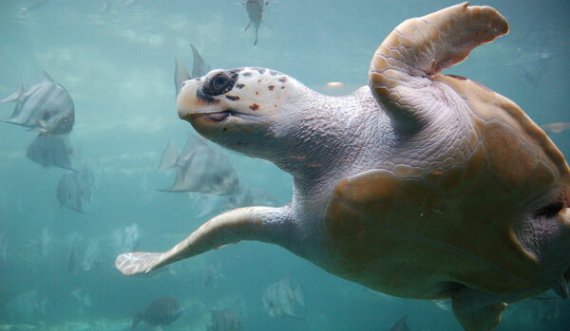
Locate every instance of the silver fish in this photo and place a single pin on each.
(45, 106)
(74, 191)
(199, 168)
(162, 311)
(51, 150)
(556, 127)
(224, 320)
(280, 299)
(255, 9)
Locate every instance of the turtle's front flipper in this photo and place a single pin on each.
(419, 48)
(476, 311)
(251, 223)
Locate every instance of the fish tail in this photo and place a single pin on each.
(15, 96)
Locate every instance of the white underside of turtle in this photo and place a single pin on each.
(420, 185)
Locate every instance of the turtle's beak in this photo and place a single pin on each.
(187, 101)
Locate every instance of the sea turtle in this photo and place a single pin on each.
(420, 185)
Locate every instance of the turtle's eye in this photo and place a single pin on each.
(220, 83)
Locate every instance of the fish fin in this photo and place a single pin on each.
(560, 287)
(41, 126)
(199, 66)
(169, 158)
(248, 25)
(48, 77)
(180, 74)
(16, 95)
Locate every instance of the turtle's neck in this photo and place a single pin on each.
(328, 136)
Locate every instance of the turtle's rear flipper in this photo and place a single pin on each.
(474, 313)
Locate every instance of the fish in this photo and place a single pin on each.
(400, 325)
(51, 150)
(161, 311)
(93, 255)
(556, 127)
(127, 238)
(32, 6)
(45, 106)
(199, 66)
(280, 299)
(224, 320)
(255, 9)
(199, 69)
(211, 274)
(74, 190)
(199, 168)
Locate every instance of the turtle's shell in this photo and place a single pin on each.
(416, 232)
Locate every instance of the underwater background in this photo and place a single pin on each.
(116, 60)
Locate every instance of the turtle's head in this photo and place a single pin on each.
(239, 109)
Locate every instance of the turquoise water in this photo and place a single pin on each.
(116, 59)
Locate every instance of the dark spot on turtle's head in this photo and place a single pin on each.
(240, 86)
(260, 70)
(259, 80)
(256, 92)
(247, 74)
(283, 87)
(232, 97)
(254, 106)
(273, 73)
(237, 70)
(283, 79)
(271, 87)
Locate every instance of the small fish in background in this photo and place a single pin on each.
(28, 306)
(93, 255)
(530, 66)
(51, 150)
(74, 190)
(31, 5)
(224, 320)
(211, 275)
(82, 299)
(556, 127)
(401, 325)
(3, 248)
(255, 10)
(199, 168)
(127, 238)
(160, 312)
(75, 253)
(199, 69)
(44, 244)
(280, 299)
(45, 107)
